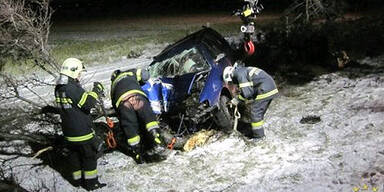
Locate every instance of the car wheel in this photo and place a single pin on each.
(224, 115)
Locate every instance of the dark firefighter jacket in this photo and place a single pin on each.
(254, 83)
(75, 104)
(125, 85)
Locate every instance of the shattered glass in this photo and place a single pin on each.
(188, 61)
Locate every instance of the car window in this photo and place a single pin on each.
(214, 45)
(188, 61)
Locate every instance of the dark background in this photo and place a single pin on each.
(66, 9)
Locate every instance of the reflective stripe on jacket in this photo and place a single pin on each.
(75, 104)
(125, 85)
(254, 83)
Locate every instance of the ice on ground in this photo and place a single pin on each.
(340, 152)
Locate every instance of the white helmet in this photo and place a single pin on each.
(227, 74)
(72, 67)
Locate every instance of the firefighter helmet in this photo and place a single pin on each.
(227, 74)
(72, 67)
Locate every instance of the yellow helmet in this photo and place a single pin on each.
(72, 67)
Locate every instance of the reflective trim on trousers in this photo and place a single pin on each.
(80, 138)
(90, 174)
(76, 175)
(256, 125)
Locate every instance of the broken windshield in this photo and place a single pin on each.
(188, 61)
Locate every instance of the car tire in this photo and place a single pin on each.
(223, 116)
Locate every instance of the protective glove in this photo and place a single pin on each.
(156, 136)
(137, 153)
(235, 101)
(98, 88)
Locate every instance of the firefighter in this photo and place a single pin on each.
(257, 89)
(75, 104)
(133, 107)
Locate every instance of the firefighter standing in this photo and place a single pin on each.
(75, 104)
(257, 88)
(132, 107)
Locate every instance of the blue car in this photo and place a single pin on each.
(186, 88)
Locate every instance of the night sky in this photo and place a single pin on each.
(85, 8)
(103, 8)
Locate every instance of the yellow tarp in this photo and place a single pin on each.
(198, 139)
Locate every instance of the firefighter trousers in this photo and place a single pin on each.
(258, 110)
(83, 160)
(131, 112)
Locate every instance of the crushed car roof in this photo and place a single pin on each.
(185, 43)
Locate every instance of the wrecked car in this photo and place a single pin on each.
(186, 89)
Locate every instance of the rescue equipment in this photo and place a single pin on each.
(172, 143)
(237, 116)
(110, 138)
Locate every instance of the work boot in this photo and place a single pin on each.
(92, 184)
(258, 133)
(137, 153)
(76, 183)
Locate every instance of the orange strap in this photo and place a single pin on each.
(170, 145)
(110, 140)
(109, 122)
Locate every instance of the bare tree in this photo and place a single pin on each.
(24, 31)
(305, 11)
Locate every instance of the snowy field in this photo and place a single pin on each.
(343, 151)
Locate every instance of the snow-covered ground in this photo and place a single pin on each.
(101, 73)
(342, 152)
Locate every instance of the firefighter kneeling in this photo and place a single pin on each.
(132, 107)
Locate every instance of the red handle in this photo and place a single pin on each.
(170, 145)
